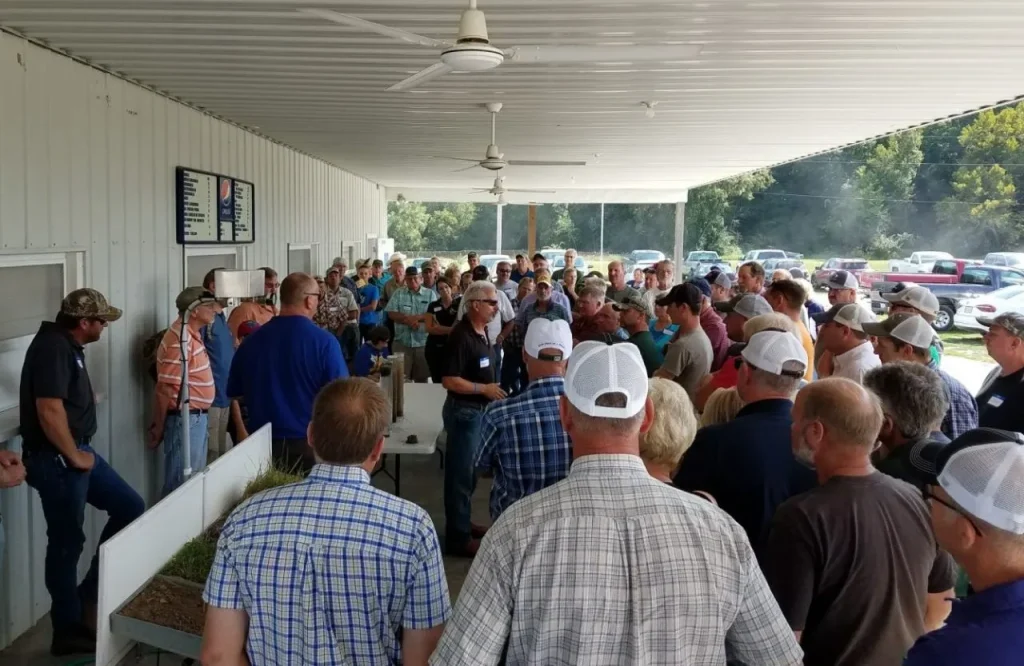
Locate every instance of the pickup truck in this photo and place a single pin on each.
(944, 271)
(971, 282)
(821, 273)
(918, 262)
(700, 262)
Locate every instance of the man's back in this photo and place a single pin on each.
(280, 369)
(613, 567)
(328, 571)
(852, 563)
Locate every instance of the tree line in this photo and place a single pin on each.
(957, 186)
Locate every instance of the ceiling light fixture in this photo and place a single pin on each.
(649, 108)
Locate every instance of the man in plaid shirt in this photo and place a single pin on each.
(611, 566)
(329, 570)
(521, 438)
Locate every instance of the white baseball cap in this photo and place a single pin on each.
(916, 297)
(597, 369)
(546, 334)
(850, 315)
(843, 280)
(910, 329)
(777, 352)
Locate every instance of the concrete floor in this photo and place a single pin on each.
(422, 482)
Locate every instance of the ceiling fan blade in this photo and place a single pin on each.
(533, 191)
(395, 33)
(429, 74)
(585, 54)
(471, 166)
(449, 157)
(543, 163)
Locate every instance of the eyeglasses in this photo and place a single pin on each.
(927, 494)
(489, 301)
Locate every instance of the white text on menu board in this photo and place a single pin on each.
(243, 212)
(200, 207)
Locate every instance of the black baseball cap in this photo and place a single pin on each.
(412, 271)
(682, 294)
(480, 273)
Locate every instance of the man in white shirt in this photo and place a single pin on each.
(611, 566)
(841, 334)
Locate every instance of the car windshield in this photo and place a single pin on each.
(856, 265)
(770, 254)
(1013, 277)
(703, 256)
(788, 263)
(646, 255)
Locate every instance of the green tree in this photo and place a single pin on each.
(710, 223)
(407, 220)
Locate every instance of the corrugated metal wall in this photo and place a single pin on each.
(87, 162)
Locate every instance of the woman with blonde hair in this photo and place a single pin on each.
(453, 275)
(671, 432)
(722, 407)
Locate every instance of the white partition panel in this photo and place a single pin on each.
(138, 552)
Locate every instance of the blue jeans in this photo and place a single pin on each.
(462, 423)
(64, 492)
(174, 459)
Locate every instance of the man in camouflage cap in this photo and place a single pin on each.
(1002, 395)
(58, 422)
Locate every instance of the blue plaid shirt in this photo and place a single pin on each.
(328, 570)
(962, 414)
(523, 441)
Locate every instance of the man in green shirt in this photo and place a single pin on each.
(408, 308)
(635, 316)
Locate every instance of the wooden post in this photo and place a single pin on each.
(531, 229)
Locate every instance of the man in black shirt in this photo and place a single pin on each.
(1001, 398)
(58, 421)
(471, 380)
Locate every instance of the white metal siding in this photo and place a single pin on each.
(87, 162)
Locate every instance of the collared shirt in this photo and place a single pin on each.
(260, 313)
(529, 311)
(407, 302)
(854, 363)
(332, 313)
(962, 414)
(983, 629)
(611, 566)
(220, 347)
(503, 314)
(201, 389)
(714, 327)
(523, 441)
(328, 570)
(557, 297)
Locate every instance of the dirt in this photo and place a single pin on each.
(170, 602)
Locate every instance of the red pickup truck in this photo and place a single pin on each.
(945, 271)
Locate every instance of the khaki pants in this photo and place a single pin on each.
(416, 369)
(217, 431)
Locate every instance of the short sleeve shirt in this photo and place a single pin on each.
(648, 351)
(407, 302)
(443, 316)
(504, 314)
(333, 310)
(369, 293)
(688, 359)
(471, 357)
(999, 406)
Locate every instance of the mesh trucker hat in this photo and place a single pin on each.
(633, 301)
(907, 328)
(747, 305)
(915, 297)
(553, 336)
(597, 369)
(843, 280)
(982, 471)
(850, 315)
(777, 352)
(190, 295)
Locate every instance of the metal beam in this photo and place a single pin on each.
(677, 250)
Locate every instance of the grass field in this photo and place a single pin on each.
(965, 344)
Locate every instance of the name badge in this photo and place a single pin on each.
(995, 401)
(334, 309)
(485, 362)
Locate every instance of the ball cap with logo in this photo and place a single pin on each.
(546, 339)
(850, 315)
(777, 352)
(981, 471)
(907, 328)
(916, 297)
(633, 301)
(842, 280)
(89, 304)
(747, 305)
(598, 369)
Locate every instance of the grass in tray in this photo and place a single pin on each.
(194, 560)
(272, 478)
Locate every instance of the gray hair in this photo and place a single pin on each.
(781, 384)
(913, 395)
(616, 427)
(478, 290)
(592, 292)
(674, 425)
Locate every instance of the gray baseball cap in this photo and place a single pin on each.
(746, 305)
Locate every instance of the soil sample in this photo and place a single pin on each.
(170, 602)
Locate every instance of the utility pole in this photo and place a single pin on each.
(602, 232)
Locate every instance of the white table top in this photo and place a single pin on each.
(423, 404)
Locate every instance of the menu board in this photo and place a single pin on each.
(213, 209)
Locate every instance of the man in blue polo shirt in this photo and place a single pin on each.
(220, 348)
(281, 367)
(978, 514)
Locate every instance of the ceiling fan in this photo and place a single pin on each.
(499, 190)
(494, 159)
(472, 50)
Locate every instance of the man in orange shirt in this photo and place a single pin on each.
(787, 297)
(258, 311)
(166, 424)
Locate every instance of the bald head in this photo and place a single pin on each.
(849, 414)
(296, 289)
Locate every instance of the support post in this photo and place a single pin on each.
(531, 229)
(677, 250)
(497, 230)
(602, 232)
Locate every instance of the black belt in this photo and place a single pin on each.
(177, 412)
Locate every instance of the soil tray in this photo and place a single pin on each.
(167, 613)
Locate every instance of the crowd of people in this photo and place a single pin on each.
(707, 472)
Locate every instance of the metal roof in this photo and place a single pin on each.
(773, 81)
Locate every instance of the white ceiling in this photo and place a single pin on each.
(773, 81)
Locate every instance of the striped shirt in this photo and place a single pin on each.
(329, 570)
(611, 566)
(201, 389)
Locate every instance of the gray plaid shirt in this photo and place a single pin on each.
(611, 566)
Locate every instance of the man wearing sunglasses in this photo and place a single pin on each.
(977, 510)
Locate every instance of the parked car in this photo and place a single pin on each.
(918, 262)
(558, 263)
(700, 262)
(1004, 259)
(643, 259)
(491, 261)
(760, 256)
(787, 264)
(952, 291)
(821, 273)
(1007, 299)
